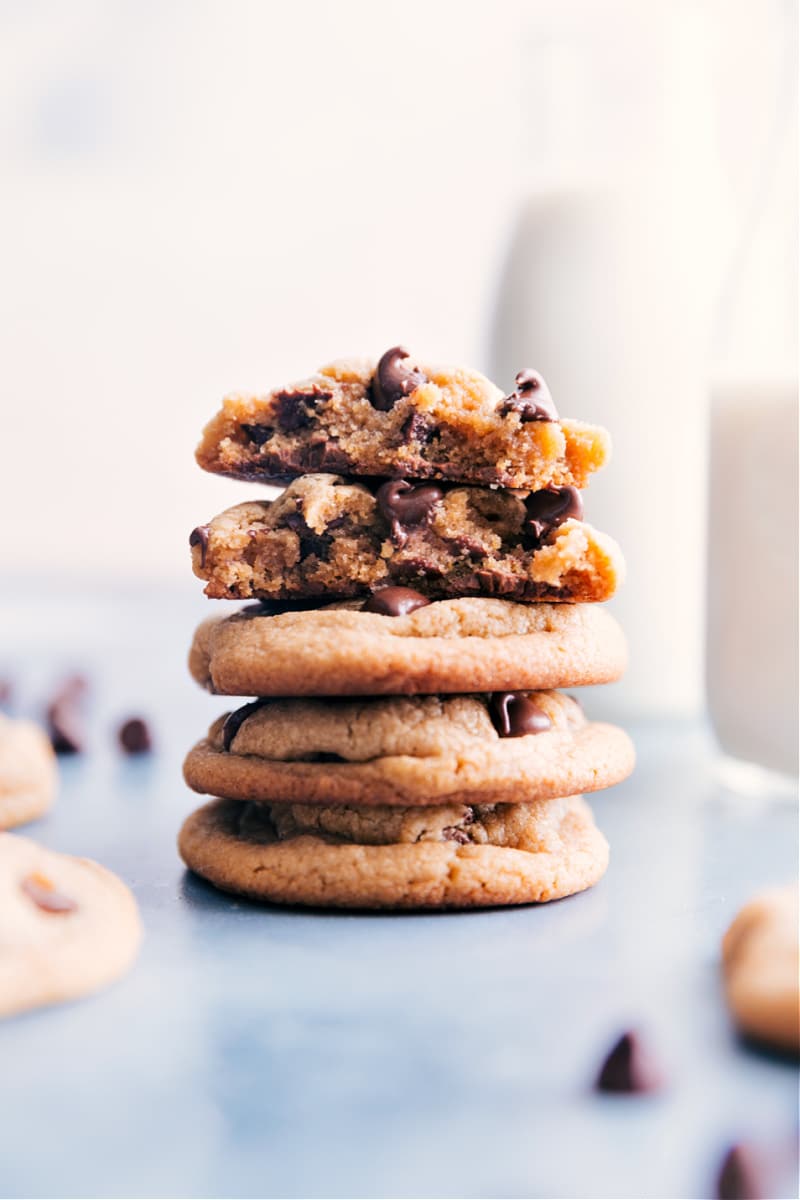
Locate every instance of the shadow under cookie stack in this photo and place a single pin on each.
(423, 585)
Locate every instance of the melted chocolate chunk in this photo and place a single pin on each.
(417, 428)
(318, 544)
(547, 509)
(295, 410)
(629, 1068)
(739, 1176)
(395, 601)
(134, 736)
(41, 891)
(199, 537)
(404, 504)
(515, 715)
(531, 399)
(393, 379)
(259, 434)
(235, 720)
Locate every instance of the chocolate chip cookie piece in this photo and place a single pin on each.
(67, 926)
(327, 537)
(469, 645)
(28, 772)
(761, 969)
(409, 751)
(398, 418)
(534, 853)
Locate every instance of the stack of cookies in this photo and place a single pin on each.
(423, 584)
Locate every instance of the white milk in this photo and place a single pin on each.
(752, 629)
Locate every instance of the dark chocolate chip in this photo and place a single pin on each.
(393, 379)
(531, 399)
(134, 736)
(64, 717)
(395, 601)
(514, 714)
(318, 544)
(739, 1176)
(417, 428)
(41, 891)
(235, 720)
(199, 537)
(629, 1068)
(258, 434)
(547, 509)
(404, 504)
(452, 833)
(294, 410)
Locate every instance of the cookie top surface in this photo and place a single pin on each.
(28, 772)
(761, 966)
(330, 537)
(399, 418)
(542, 853)
(67, 925)
(418, 750)
(467, 645)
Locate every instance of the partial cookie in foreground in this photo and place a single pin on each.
(330, 537)
(28, 772)
(67, 926)
(534, 853)
(409, 751)
(398, 418)
(762, 968)
(357, 649)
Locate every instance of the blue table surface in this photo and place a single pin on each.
(258, 1051)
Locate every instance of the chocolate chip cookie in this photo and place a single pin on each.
(762, 970)
(504, 854)
(328, 537)
(399, 643)
(409, 751)
(28, 772)
(67, 926)
(398, 418)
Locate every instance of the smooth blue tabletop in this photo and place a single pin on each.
(255, 1051)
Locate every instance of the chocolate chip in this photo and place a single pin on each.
(395, 601)
(514, 715)
(235, 720)
(739, 1176)
(64, 717)
(41, 891)
(629, 1068)
(404, 504)
(199, 537)
(259, 434)
(318, 544)
(134, 736)
(294, 410)
(547, 509)
(452, 833)
(393, 379)
(417, 428)
(531, 399)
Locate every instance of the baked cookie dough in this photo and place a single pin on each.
(409, 751)
(514, 854)
(326, 536)
(67, 926)
(761, 966)
(397, 418)
(468, 645)
(28, 772)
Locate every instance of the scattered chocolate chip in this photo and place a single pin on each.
(41, 891)
(258, 434)
(531, 399)
(549, 508)
(199, 537)
(405, 504)
(395, 601)
(739, 1176)
(514, 715)
(235, 720)
(629, 1068)
(294, 410)
(134, 736)
(393, 379)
